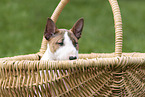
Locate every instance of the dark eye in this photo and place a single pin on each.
(60, 43)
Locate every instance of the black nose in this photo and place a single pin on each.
(72, 57)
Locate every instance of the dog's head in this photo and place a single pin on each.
(63, 43)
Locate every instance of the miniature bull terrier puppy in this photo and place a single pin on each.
(62, 43)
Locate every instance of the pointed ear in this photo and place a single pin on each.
(78, 27)
(50, 29)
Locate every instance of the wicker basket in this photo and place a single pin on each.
(109, 74)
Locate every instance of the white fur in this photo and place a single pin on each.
(63, 52)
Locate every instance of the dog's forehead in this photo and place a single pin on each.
(62, 31)
(70, 33)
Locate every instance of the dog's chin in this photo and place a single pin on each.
(64, 58)
(61, 55)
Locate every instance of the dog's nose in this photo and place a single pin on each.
(72, 57)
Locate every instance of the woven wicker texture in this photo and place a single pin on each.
(95, 74)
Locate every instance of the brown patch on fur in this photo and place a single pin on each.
(58, 38)
(74, 39)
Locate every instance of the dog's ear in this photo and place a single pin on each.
(78, 27)
(50, 29)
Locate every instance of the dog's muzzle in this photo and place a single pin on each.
(72, 57)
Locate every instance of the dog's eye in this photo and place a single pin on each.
(60, 43)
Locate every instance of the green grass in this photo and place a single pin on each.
(22, 23)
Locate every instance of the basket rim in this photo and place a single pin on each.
(127, 59)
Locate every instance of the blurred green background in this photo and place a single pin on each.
(22, 23)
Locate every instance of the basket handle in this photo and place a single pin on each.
(117, 22)
(118, 27)
(54, 17)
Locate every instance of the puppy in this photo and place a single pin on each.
(62, 43)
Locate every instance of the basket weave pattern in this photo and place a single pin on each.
(95, 74)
